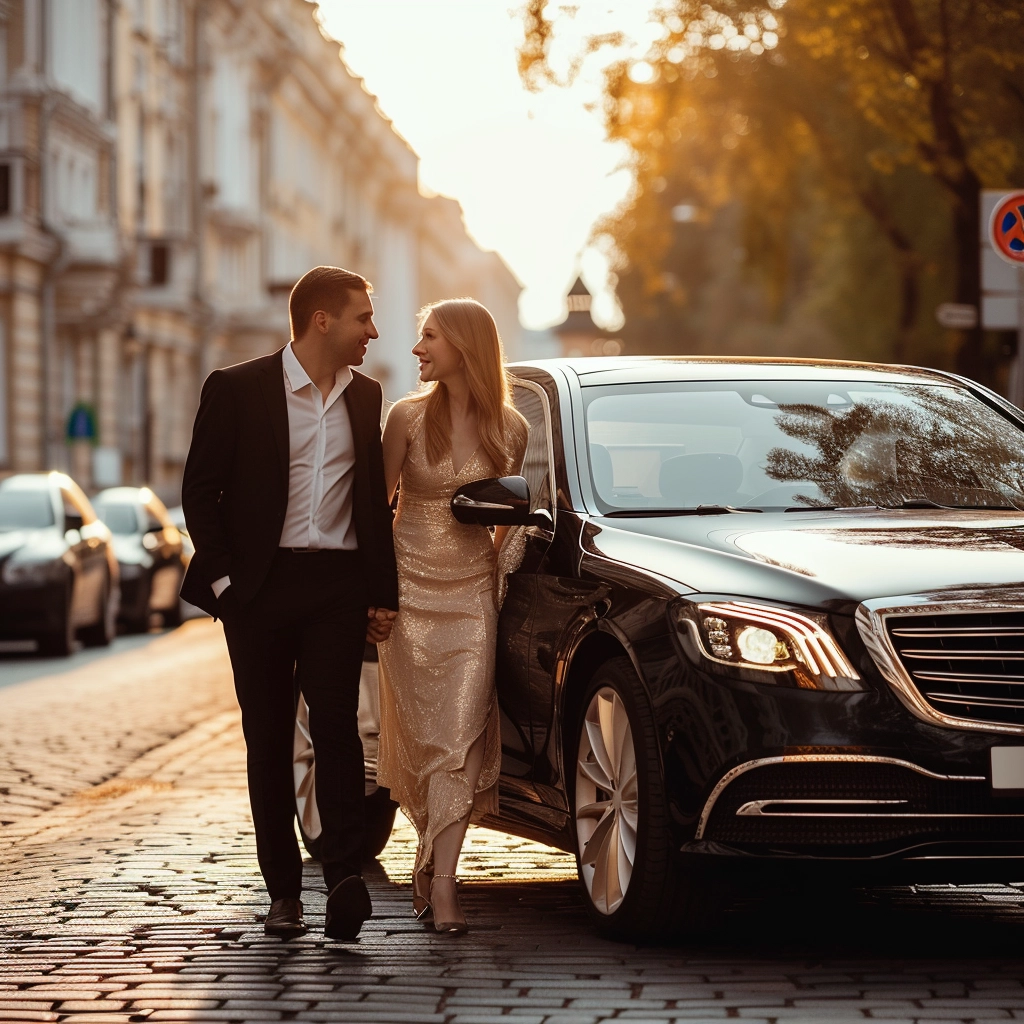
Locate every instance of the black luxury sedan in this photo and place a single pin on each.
(150, 551)
(58, 573)
(759, 613)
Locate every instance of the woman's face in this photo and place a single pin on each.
(439, 358)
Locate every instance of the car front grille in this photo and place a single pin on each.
(967, 665)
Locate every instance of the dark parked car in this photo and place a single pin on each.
(760, 613)
(58, 573)
(150, 551)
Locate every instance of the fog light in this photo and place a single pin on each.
(761, 646)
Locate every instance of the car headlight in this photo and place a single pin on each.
(34, 572)
(771, 644)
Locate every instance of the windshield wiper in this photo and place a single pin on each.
(928, 503)
(700, 510)
(909, 503)
(832, 508)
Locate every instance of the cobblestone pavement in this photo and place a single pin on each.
(129, 892)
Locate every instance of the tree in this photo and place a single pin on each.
(898, 109)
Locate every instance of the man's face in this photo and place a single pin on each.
(349, 335)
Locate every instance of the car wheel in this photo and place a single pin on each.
(101, 633)
(172, 616)
(634, 884)
(380, 808)
(139, 621)
(304, 777)
(60, 642)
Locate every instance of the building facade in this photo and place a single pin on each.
(168, 169)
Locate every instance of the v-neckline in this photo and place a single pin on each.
(451, 461)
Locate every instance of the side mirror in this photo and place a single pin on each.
(502, 501)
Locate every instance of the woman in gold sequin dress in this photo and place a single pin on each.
(440, 750)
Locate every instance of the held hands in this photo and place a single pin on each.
(379, 624)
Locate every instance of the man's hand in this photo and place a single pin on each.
(379, 624)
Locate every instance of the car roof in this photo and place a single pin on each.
(34, 481)
(597, 370)
(129, 495)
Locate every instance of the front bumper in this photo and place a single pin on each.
(857, 808)
(777, 774)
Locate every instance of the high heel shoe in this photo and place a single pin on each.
(458, 925)
(421, 879)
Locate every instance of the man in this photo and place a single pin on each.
(285, 501)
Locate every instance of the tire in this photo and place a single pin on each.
(139, 623)
(60, 642)
(380, 808)
(101, 633)
(304, 778)
(634, 883)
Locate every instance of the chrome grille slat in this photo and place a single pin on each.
(976, 657)
(988, 702)
(965, 655)
(945, 634)
(968, 677)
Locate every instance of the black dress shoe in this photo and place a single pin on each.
(348, 906)
(285, 919)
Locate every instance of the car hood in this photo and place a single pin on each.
(831, 559)
(40, 543)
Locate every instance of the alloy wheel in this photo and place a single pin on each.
(304, 774)
(606, 800)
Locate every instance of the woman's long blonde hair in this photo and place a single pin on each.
(469, 326)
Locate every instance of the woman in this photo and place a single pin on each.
(440, 750)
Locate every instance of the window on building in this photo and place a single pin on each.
(159, 263)
(5, 190)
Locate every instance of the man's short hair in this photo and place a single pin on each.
(322, 288)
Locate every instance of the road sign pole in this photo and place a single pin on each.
(1017, 390)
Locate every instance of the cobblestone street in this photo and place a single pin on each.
(130, 892)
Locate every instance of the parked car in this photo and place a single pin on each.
(759, 613)
(58, 573)
(188, 549)
(150, 551)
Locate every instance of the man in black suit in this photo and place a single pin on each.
(285, 500)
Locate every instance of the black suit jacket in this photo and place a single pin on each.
(235, 487)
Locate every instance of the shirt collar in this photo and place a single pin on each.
(295, 377)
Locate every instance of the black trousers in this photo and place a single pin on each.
(305, 626)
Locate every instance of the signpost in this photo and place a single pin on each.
(1002, 275)
(958, 316)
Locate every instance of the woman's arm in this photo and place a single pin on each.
(396, 445)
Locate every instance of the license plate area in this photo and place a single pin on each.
(1007, 771)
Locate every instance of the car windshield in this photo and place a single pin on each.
(25, 510)
(799, 444)
(119, 517)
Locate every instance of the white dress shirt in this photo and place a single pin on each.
(321, 461)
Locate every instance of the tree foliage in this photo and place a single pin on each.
(807, 172)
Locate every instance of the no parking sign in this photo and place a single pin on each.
(1006, 228)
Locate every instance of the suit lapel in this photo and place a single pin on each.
(272, 386)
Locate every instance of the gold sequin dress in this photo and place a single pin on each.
(437, 691)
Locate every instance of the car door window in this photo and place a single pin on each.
(531, 401)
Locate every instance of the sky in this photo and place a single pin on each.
(532, 170)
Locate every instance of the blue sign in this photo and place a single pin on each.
(81, 423)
